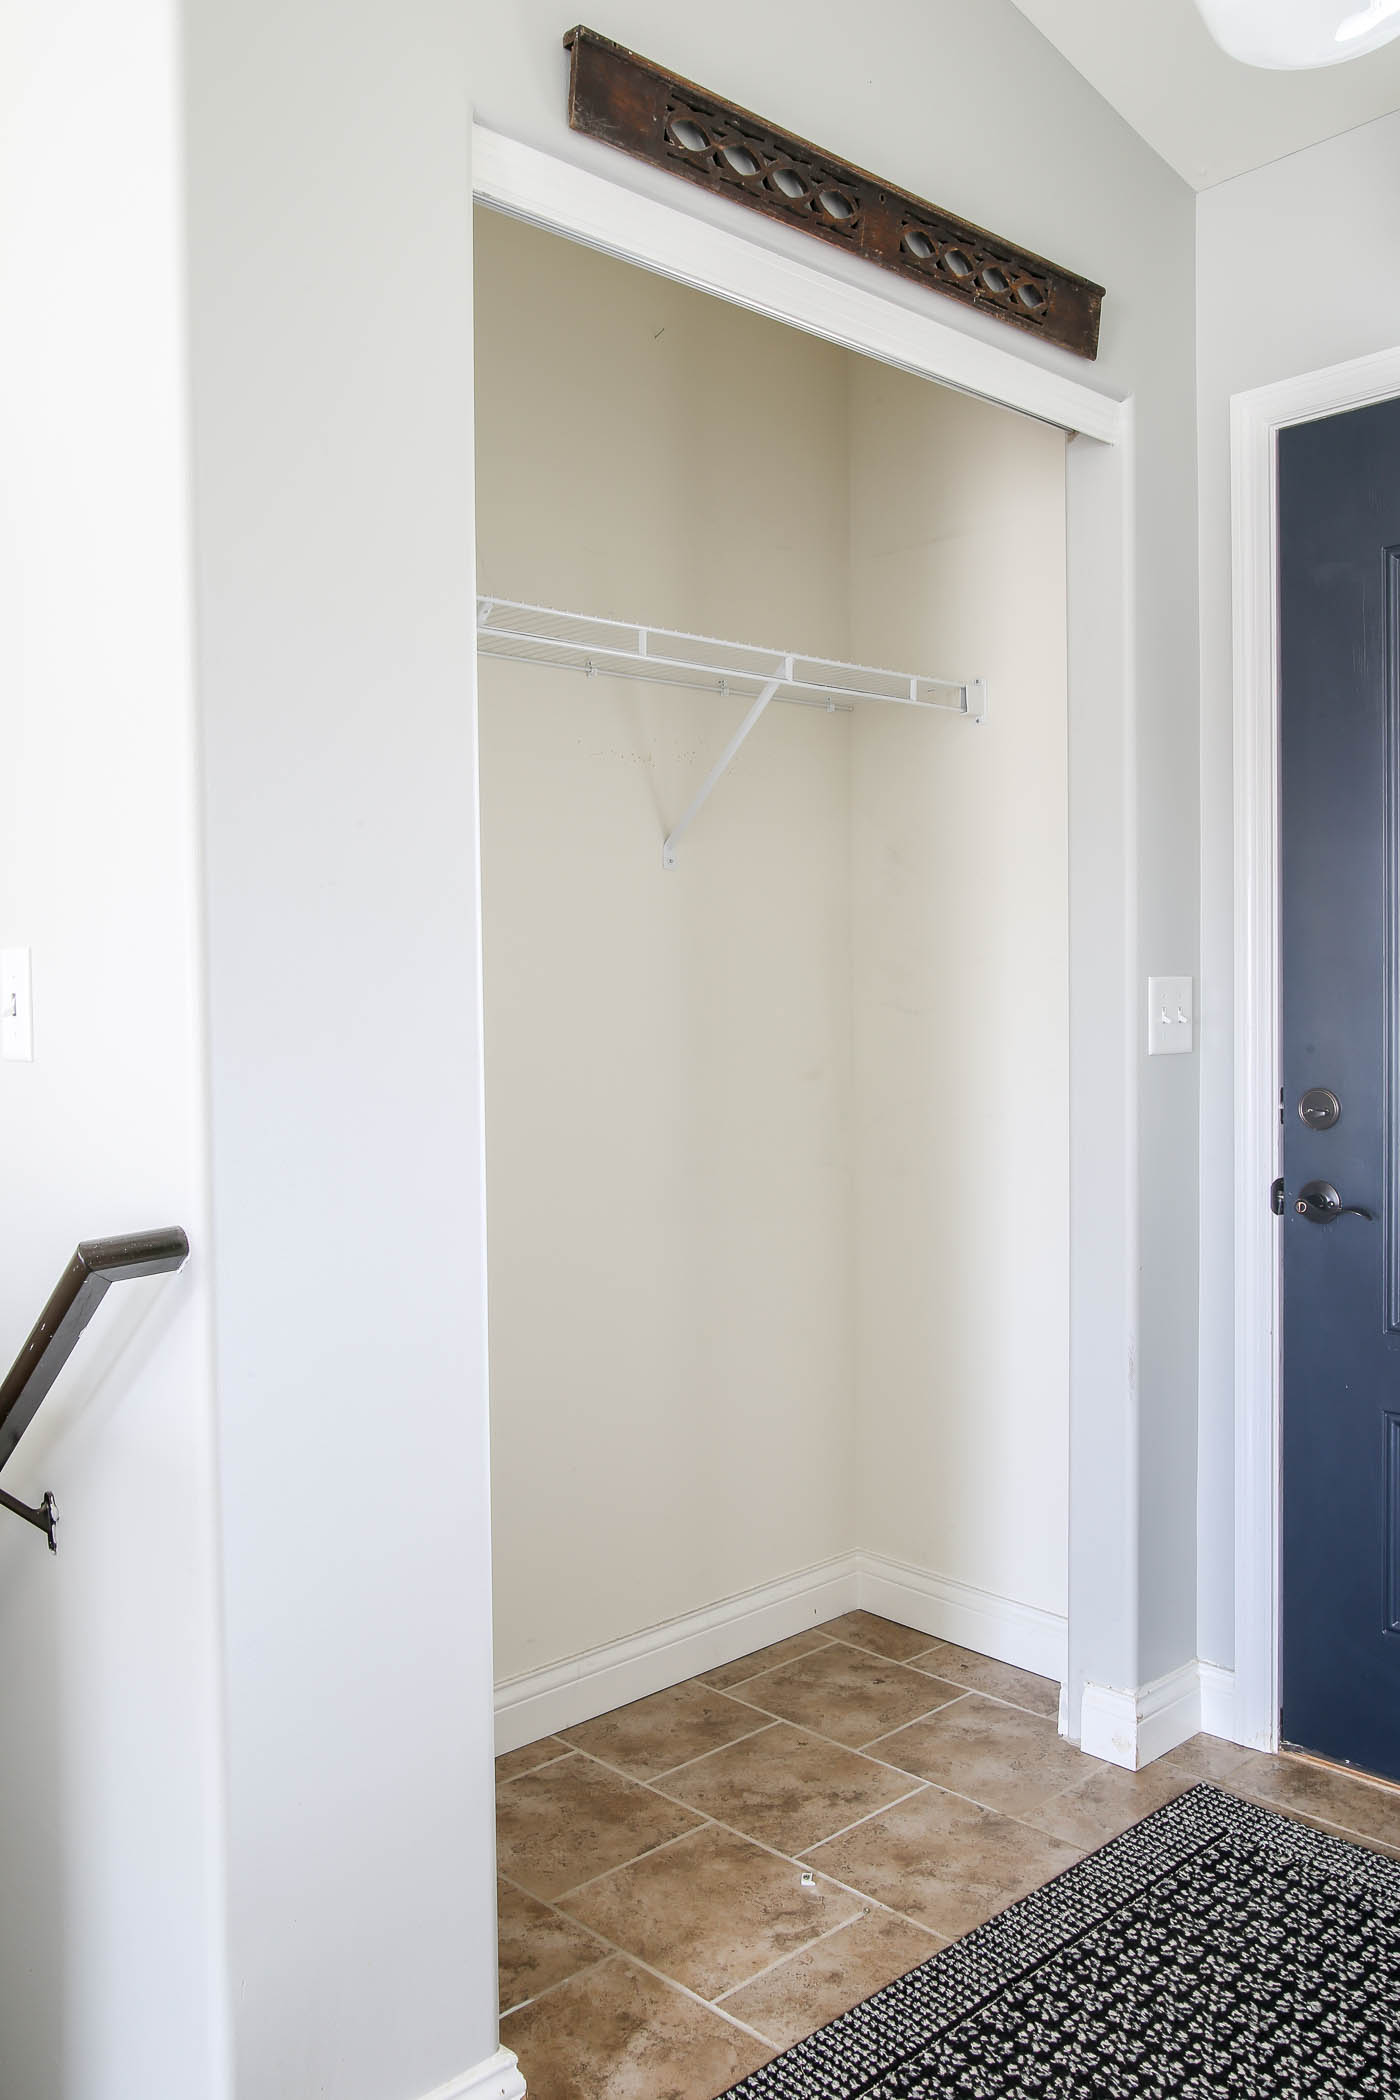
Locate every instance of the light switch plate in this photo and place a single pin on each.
(16, 1006)
(1170, 1018)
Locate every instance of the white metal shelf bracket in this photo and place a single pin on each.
(600, 647)
(719, 769)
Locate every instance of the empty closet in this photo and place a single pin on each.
(777, 1136)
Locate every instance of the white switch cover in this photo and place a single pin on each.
(16, 1006)
(1168, 1015)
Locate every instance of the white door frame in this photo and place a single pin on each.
(682, 240)
(1255, 421)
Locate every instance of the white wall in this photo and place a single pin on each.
(329, 225)
(961, 951)
(668, 1052)
(1335, 209)
(112, 1972)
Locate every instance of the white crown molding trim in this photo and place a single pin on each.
(1131, 1729)
(499, 2078)
(1022, 1634)
(620, 220)
(583, 1686)
(1255, 420)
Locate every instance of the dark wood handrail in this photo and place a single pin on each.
(96, 1265)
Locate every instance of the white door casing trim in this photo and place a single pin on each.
(529, 184)
(680, 241)
(1255, 420)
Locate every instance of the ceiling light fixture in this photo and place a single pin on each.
(1288, 35)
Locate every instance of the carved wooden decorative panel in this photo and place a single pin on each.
(630, 103)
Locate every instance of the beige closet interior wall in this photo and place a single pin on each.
(668, 1053)
(960, 943)
(734, 1329)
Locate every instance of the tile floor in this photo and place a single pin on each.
(658, 1940)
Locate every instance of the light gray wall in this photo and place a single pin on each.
(1263, 315)
(326, 193)
(329, 227)
(112, 1971)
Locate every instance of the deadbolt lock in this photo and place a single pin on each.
(1319, 1108)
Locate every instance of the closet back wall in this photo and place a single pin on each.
(777, 1142)
(668, 1054)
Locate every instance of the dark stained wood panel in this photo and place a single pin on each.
(634, 105)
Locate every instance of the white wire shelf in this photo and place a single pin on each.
(605, 648)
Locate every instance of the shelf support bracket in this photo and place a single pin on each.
(718, 769)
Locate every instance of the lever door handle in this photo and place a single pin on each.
(1318, 1202)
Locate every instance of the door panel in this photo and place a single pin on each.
(1339, 561)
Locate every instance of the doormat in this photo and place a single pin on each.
(1214, 1949)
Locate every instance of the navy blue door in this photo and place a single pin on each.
(1339, 603)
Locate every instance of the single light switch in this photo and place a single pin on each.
(1169, 1015)
(16, 1006)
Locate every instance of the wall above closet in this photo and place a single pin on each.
(741, 670)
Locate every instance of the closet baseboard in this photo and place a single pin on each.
(1022, 1634)
(567, 1693)
(578, 1689)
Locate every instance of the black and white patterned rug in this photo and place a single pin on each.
(1214, 1949)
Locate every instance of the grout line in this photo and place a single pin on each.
(828, 1640)
(611, 1951)
(576, 1888)
(689, 1763)
(920, 1786)
(791, 1955)
(511, 1777)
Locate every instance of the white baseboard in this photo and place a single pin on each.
(497, 2079)
(569, 1692)
(576, 1690)
(1218, 1702)
(1022, 1634)
(1133, 1728)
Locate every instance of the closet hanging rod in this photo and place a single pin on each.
(665, 656)
(620, 648)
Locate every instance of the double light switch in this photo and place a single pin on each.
(1169, 1015)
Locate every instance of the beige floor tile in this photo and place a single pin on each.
(711, 1910)
(568, 1821)
(669, 1728)
(812, 1987)
(1347, 1837)
(1294, 1783)
(616, 2033)
(528, 1756)
(538, 1947)
(881, 1636)
(785, 1788)
(999, 1755)
(1109, 1801)
(999, 1680)
(1207, 1757)
(944, 1862)
(763, 1659)
(845, 1693)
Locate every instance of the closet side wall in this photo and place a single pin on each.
(960, 945)
(668, 1053)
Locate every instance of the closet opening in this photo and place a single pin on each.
(777, 1117)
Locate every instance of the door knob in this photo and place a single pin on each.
(1318, 1201)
